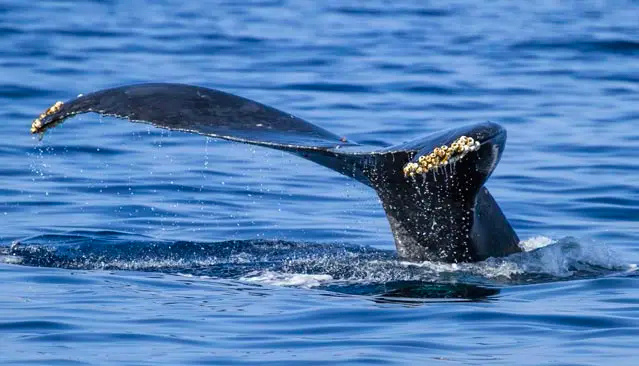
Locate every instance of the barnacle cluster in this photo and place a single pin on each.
(441, 156)
(37, 123)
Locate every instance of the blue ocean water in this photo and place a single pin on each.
(140, 246)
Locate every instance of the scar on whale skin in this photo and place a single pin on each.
(450, 217)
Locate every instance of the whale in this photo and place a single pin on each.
(432, 188)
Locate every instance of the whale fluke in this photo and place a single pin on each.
(431, 188)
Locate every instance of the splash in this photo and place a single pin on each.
(336, 267)
(566, 258)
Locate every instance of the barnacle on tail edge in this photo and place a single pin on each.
(37, 125)
(441, 156)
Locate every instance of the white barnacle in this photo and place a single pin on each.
(441, 156)
(37, 125)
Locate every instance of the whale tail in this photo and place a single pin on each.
(431, 188)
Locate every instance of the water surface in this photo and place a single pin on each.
(140, 246)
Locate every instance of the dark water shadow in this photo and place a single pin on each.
(415, 293)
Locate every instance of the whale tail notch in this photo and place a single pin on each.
(435, 201)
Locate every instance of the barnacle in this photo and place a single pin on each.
(441, 156)
(36, 126)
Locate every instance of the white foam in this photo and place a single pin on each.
(10, 259)
(188, 275)
(487, 269)
(287, 279)
(535, 242)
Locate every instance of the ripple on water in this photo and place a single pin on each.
(247, 256)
